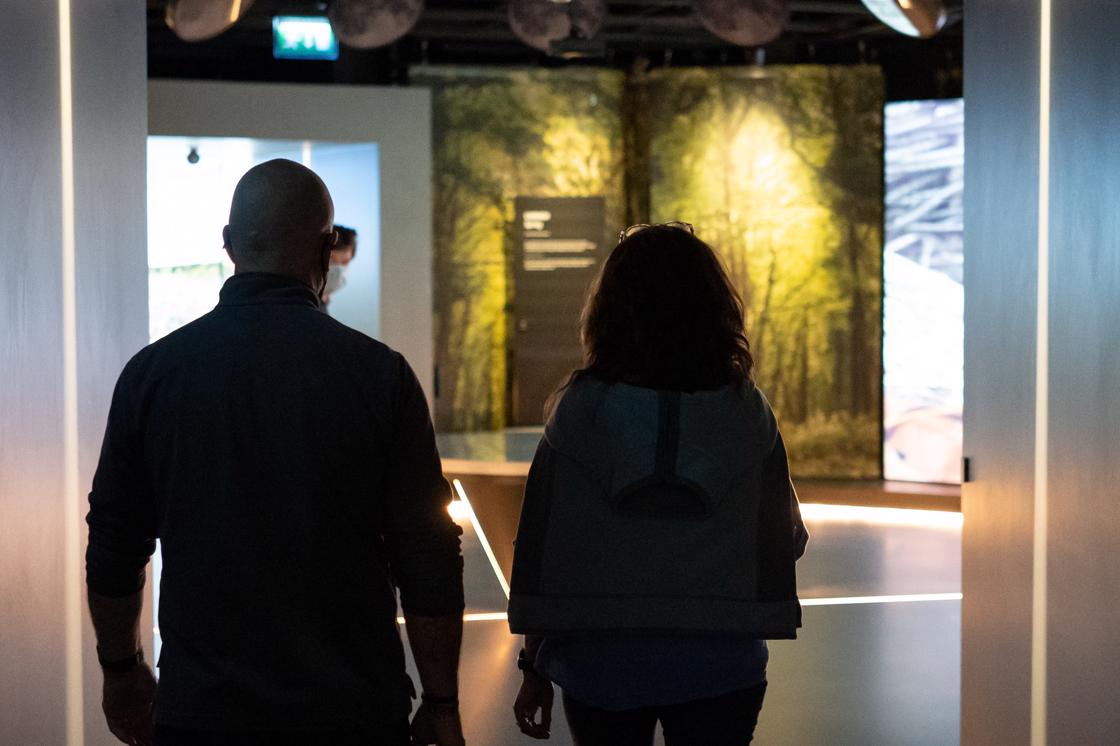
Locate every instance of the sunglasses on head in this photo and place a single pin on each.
(680, 225)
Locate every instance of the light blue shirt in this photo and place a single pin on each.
(623, 672)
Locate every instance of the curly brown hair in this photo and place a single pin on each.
(664, 315)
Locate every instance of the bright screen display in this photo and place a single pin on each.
(923, 346)
(190, 185)
(303, 38)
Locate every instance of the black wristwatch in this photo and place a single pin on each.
(121, 665)
(523, 661)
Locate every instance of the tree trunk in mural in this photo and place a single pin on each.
(859, 361)
(801, 409)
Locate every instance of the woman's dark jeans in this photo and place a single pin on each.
(727, 720)
(390, 735)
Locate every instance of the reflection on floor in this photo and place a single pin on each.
(877, 661)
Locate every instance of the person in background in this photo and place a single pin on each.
(289, 511)
(659, 530)
(341, 256)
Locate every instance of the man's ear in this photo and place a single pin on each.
(227, 244)
(330, 241)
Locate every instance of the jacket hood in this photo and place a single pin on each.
(631, 438)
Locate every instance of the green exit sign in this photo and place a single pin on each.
(303, 38)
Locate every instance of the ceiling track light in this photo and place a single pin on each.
(918, 18)
(199, 20)
(366, 24)
(563, 28)
(745, 23)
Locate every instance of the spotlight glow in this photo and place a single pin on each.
(458, 511)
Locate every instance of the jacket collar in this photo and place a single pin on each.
(260, 288)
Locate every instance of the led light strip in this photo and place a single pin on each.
(1042, 394)
(72, 601)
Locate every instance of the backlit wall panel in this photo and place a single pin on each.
(923, 334)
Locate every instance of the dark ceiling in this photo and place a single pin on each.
(654, 32)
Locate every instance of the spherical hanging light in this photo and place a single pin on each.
(538, 23)
(198, 20)
(920, 18)
(366, 24)
(747, 23)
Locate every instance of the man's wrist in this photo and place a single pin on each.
(120, 664)
(525, 664)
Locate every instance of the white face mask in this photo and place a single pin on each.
(336, 279)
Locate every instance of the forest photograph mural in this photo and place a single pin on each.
(778, 168)
(499, 134)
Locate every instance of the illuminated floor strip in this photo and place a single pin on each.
(483, 616)
(902, 599)
(481, 535)
(500, 616)
(882, 516)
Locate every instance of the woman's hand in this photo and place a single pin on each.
(535, 694)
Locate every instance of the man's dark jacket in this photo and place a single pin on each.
(288, 467)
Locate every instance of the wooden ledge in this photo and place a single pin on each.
(868, 493)
(881, 494)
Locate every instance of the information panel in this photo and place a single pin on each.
(560, 246)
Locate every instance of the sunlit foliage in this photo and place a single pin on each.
(781, 171)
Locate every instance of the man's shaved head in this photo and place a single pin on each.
(280, 221)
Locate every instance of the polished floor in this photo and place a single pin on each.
(877, 661)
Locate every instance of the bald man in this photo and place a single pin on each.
(288, 512)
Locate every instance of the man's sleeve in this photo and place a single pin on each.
(421, 539)
(122, 525)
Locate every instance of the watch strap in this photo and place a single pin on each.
(121, 665)
(523, 661)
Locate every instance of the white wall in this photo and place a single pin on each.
(397, 119)
(72, 310)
